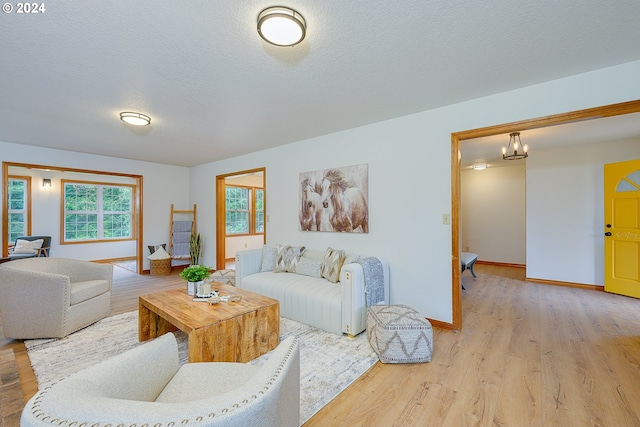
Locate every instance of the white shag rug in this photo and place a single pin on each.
(328, 362)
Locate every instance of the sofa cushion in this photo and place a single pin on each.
(332, 263)
(287, 258)
(310, 300)
(309, 267)
(83, 291)
(195, 381)
(269, 254)
(27, 247)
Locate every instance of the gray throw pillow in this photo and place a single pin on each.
(268, 258)
(309, 267)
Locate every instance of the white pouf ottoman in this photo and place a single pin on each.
(226, 277)
(399, 334)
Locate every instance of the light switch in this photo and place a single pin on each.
(446, 219)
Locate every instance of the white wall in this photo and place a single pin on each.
(565, 210)
(241, 243)
(492, 213)
(409, 179)
(162, 186)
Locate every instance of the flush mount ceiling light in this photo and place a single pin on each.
(281, 26)
(512, 152)
(479, 166)
(135, 119)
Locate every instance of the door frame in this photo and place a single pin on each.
(221, 226)
(610, 110)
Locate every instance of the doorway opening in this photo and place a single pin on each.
(456, 138)
(240, 214)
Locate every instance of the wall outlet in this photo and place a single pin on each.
(245, 246)
(446, 219)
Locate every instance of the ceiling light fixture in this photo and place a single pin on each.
(479, 166)
(135, 119)
(511, 151)
(281, 26)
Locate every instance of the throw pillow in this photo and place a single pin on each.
(287, 258)
(27, 247)
(268, 258)
(153, 248)
(159, 254)
(332, 263)
(309, 267)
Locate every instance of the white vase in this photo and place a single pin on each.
(194, 287)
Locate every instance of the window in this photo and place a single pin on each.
(244, 210)
(18, 201)
(94, 211)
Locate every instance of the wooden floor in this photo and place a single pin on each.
(528, 355)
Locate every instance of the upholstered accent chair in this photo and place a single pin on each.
(30, 247)
(146, 386)
(52, 297)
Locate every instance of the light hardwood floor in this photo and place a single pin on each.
(528, 355)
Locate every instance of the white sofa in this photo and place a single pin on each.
(52, 297)
(334, 307)
(146, 386)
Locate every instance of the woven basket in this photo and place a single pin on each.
(160, 267)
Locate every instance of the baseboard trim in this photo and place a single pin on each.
(566, 284)
(440, 324)
(501, 264)
(112, 260)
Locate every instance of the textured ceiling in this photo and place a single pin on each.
(215, 90)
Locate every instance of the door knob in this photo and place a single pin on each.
(608, 233)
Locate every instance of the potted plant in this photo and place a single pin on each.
(195, 248)
(195, 275)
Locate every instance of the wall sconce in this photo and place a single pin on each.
(46, 183)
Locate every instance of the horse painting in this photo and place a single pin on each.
(347, 204)
(311, 206)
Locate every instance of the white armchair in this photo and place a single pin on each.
(146, 386)
(52, 297)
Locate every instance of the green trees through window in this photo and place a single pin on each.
(244, 210)
(17, 203)
(97, 211)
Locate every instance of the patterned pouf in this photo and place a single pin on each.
(399, 334)
(226, 277)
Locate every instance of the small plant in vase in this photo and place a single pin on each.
(195, 248)
(195, 275)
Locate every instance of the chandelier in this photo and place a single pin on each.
(512, 151)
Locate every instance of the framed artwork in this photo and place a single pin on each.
(335, 199)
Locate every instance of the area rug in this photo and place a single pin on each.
(328, 362)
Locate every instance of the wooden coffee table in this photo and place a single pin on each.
(223, 332)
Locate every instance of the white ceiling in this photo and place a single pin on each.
(215, 90)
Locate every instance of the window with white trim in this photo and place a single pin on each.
(244, 210)
(94, 211)
(18, 196)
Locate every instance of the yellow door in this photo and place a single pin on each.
(622, 228)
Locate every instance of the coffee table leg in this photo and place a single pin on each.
(144, 323)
